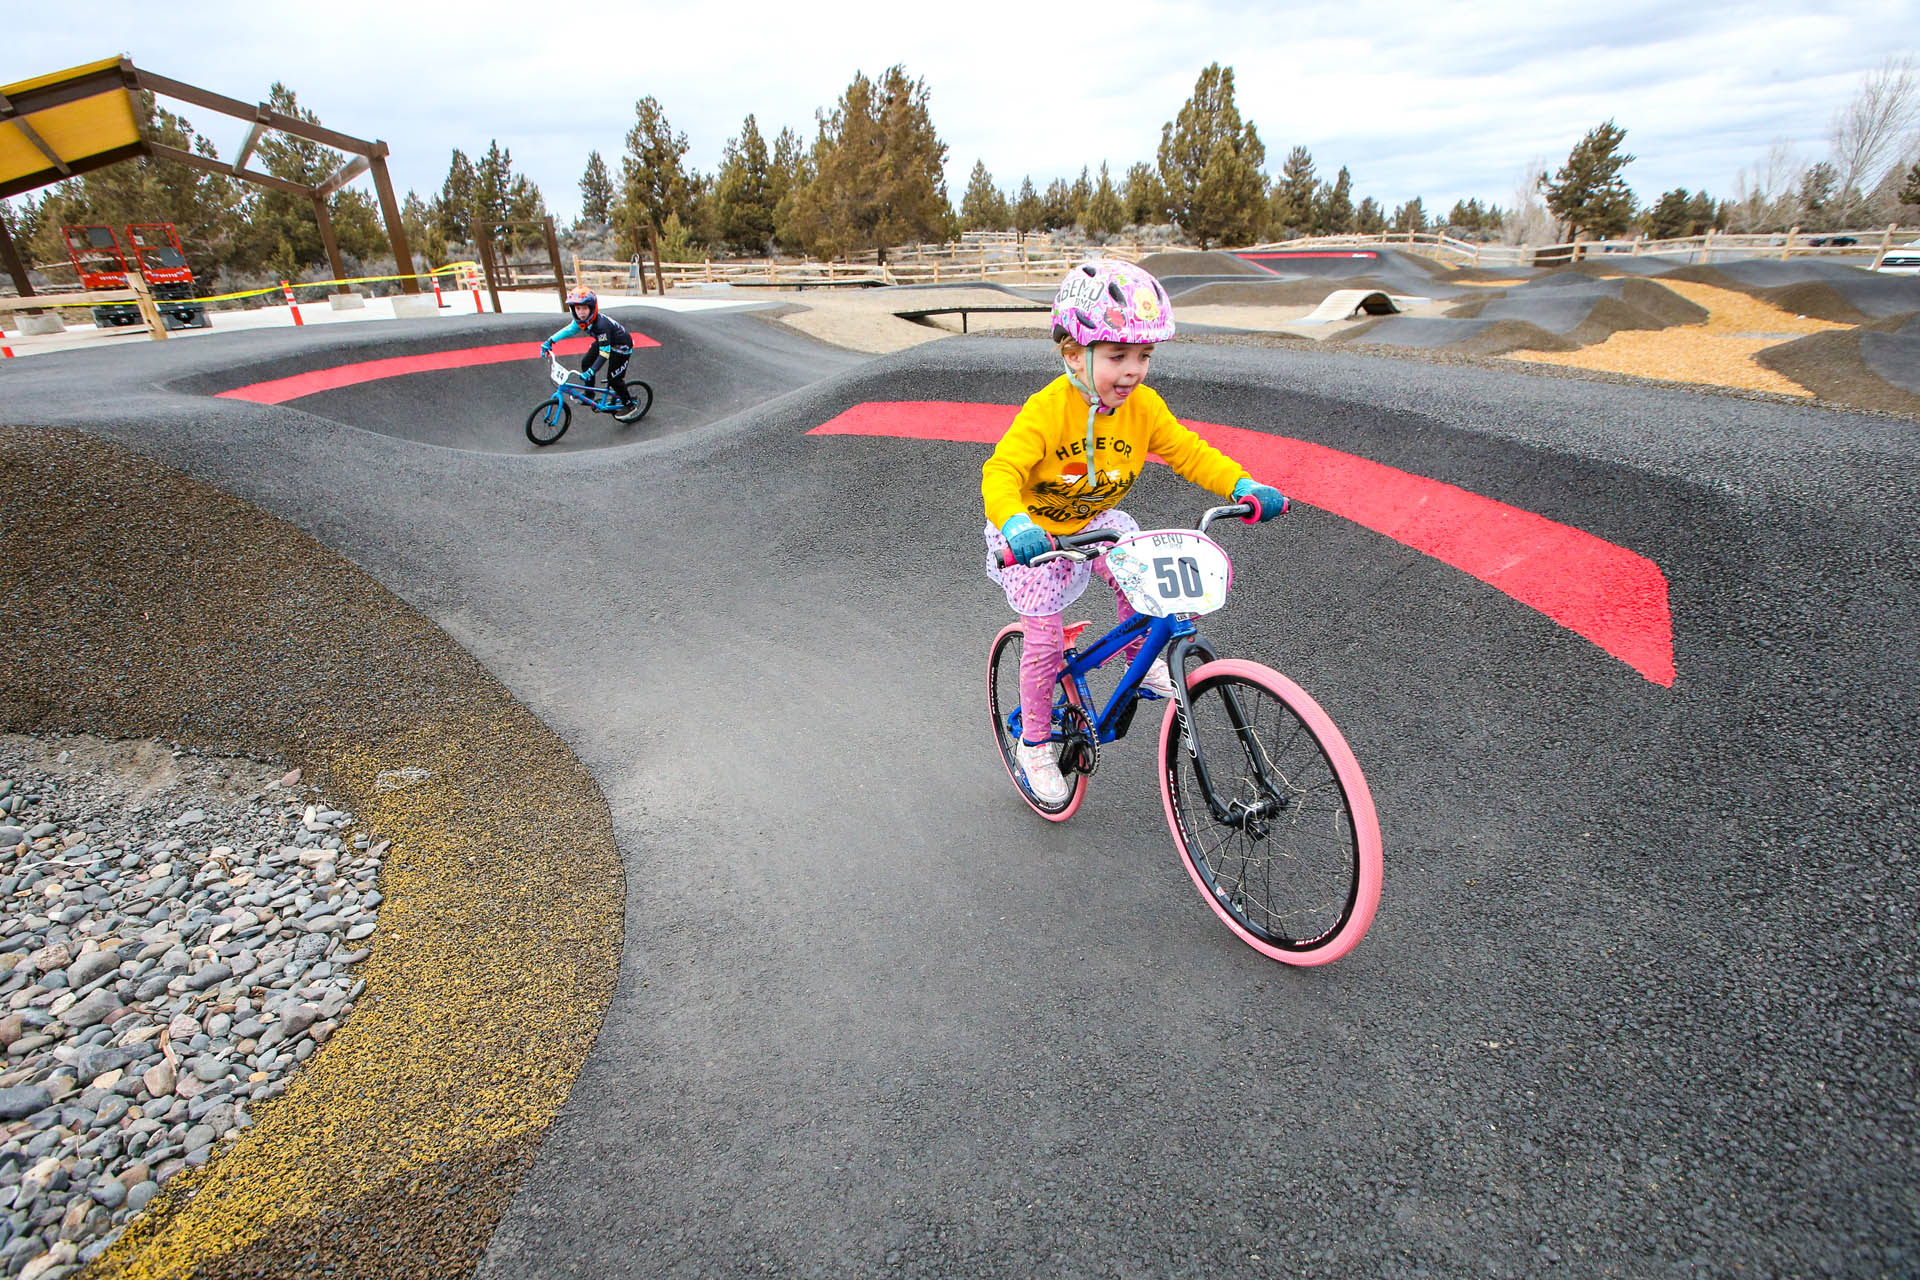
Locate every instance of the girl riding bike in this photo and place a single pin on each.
(1071, 454)
(610, 339)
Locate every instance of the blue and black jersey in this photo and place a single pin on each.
(606, 332)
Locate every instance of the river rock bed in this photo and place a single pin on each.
(177, 935)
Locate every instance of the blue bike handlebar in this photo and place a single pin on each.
(1069, 546)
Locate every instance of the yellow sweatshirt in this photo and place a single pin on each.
(1040, 465)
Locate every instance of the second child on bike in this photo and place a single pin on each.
(609, 339)
(1072, 452)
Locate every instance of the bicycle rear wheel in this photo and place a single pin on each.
(549, 421)
(1292, 862)
(642, 401)
(1003, 702)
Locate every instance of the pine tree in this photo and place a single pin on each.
(652, 183)
(1105, 214)
(454, 209)
(1210, 163)
(1411, 216)
(743, 197)
(1368, 219)
(1029, 211)
(1910, 193)
(1818, 197)
(983, 208)
(1588, 194)
(789, 173)
(1082, 194)
(493, 188)
(1056, 207)
(1669, 216)
(1145, 196)
(1293, 195)
(878, 170)
(207, 209)
(1333, 206)
(596, 191)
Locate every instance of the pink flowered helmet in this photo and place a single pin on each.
(1107, 300)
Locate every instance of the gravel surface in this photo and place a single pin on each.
(217, 629)
(181, 937)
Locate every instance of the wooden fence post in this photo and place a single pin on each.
(1787, 247)
(144, 301)
(1886, 242)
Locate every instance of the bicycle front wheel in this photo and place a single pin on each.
(1288, 851)
(1003, 704)
(549, 421)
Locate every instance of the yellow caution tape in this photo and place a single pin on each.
(453, 269)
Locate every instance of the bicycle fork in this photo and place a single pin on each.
(1253, 818)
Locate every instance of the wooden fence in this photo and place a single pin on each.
(1714, 246)
(990, 261)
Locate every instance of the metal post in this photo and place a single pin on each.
(553, 252)
(327, 238)
(390, 212)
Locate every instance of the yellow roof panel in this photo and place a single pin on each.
(55, 77)
(74, 131)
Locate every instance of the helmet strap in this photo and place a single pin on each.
(1094, 407)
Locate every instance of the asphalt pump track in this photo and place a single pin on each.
(1640, 998)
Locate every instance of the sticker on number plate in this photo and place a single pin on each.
(1171, 571)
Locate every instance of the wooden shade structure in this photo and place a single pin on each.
(67, 123)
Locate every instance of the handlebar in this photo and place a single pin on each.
(1077, 546)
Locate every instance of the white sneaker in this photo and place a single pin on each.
(1043, 773)
(1158, 680)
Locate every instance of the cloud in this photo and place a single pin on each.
(1416, 99)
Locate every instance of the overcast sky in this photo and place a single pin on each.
(1420, 98)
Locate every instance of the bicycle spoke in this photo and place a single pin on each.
(1284, 863)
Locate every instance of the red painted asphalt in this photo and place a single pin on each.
(1613, 597)
(280, 390)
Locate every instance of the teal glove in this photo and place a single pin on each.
(1269, 500)
(546, 348)
(1025, 538)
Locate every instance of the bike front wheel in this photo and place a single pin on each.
(1288, 852)
(1003, 701)
(549, 421)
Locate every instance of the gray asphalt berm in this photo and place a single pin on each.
(1640, 994)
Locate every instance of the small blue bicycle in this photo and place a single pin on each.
(552, 416)
(1266, 803)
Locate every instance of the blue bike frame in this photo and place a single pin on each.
(1172, 636)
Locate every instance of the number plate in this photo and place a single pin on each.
(560, 374)
(1171, 571)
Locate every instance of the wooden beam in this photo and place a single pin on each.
(15, 268)
(40, 145)
(249, 111)
(327, 238)
(344, 174)
(390, 214)
(161, 151)
(248, 143)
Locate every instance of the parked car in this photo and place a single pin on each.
(1901, 260)
(1832, 241)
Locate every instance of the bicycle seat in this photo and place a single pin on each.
(1072, 630)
